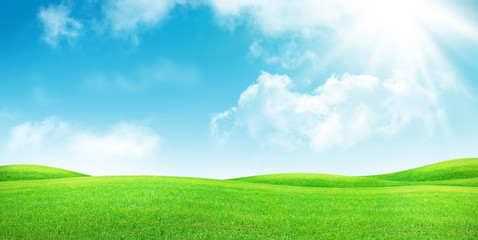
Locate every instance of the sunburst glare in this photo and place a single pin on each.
(400, 34)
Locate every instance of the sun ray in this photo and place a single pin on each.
(401, 35)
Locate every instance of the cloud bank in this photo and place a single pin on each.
(342, 112)
(58, 143)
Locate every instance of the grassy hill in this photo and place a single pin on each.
(452, 169)
(33, 172)
(460, 172)
(155, 207)
(318, 180)
(133, 207)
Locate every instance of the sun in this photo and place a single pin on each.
(395, 20)
(391, 34)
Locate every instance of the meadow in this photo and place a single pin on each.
(402, 205)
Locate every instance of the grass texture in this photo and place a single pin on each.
(154, 207)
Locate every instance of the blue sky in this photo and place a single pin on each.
(220, 89)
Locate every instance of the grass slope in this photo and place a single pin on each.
(139, 207)
(460, 172)
(452, 169)
(32, 172)
(318, 180)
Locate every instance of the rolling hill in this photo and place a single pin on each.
(156, 207)
(318, 180)
(452, 169)
(460, 172)
(34, 172)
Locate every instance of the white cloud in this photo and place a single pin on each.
(221, 134)
(33, 133)
(288, 56)
(57, 24)
(120, 140)
(312, 17)
(54, 142)
(341, 112)
(126, 16)
(274, 17)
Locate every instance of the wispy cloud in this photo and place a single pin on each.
(288, 56)
(273, 17)
(144, 76)
(130, 16)
(57, 24)
(222, 125)
(41, 97)
(59, 143)
(7, 114)
(342, 112)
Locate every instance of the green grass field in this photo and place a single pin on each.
(402, 205)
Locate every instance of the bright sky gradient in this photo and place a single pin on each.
(220, 89)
